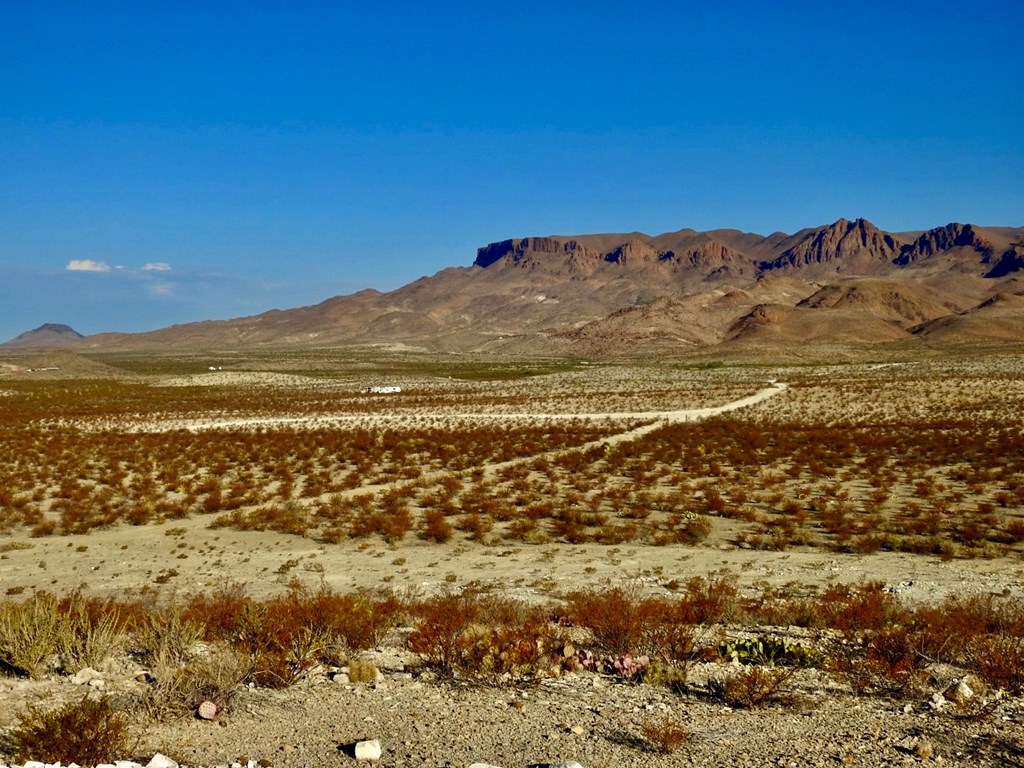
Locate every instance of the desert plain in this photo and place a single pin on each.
(158, 477)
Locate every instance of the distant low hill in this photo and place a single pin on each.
(45, 336)
(847, 282)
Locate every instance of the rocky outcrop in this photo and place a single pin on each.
(1012, 260)
(633, 252)
(525, 250)
(942, 239)
(844, 244)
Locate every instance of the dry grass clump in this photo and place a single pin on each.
(284, 637)
(215, 675)
(474, 634)
(665, 735)
(752, 687)
(166, 638)
(621, 620)
(87, 732)
(73, 631)
(88, 637)
(29, 635)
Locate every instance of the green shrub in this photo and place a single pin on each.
(770, 651)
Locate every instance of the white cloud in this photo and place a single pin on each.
(157, 266)
(87, 265)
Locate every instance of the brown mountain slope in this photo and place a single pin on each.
(896, 300)
(847, 280)
(997, 319)
(778, 325)
(45, 336)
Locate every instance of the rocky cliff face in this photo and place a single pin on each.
(525, 251)
(950, 236)
(845, 247)
(845, 244)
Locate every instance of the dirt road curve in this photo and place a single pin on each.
(659, 419)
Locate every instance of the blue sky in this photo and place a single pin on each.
(168, 162)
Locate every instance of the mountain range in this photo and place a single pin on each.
(848, 282)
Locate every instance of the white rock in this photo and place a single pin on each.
(34, 764)
(368, 750)
(127, 764)
(965, 689)
(483, 765)
(161, 761)
(84, 676)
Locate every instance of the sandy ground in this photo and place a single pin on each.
(119, 560)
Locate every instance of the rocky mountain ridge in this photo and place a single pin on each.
(852, 247)
(848, 282)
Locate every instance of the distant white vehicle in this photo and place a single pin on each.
(382, 390)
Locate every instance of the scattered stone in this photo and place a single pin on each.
(965, 689)
(161, 761)
(341, 677)
(368, 750)
(85, 676)
(937, 702)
